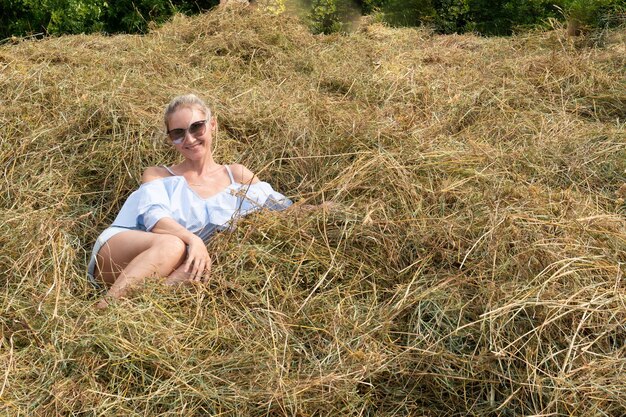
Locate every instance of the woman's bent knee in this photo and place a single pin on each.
(171, 246)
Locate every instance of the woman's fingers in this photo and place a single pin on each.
(189, 263)
(207, 270)
(192, 259)
(199, 271)
(198, 263)
(196, 268)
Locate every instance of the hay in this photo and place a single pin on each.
(475, 266)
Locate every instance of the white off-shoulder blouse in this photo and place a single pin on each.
(173, 197)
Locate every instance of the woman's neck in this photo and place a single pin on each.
(199, 168)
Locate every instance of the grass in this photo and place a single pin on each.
(474, 265)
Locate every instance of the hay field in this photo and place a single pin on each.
(473, 263)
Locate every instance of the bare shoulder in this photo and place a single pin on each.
(154, 173)
(243, 175)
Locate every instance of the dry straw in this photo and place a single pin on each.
(473, 266)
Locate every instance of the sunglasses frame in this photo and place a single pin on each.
(196, 128)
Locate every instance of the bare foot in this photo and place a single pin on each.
(102, 304)
(178, 279)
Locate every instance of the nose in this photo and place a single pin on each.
(187, 136)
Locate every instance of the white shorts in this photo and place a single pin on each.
(100, 241)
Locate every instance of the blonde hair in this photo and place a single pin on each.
(185, 101)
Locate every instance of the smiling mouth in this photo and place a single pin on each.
(192, 146)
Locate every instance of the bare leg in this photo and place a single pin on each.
(130, 257)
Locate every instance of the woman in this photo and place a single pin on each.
(163, 227)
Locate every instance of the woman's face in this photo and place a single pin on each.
(197, 139)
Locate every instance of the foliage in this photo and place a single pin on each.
(491, 17)
(21, 17)
(453, 15)
(326, 16)
(592, 12)
(501, 17)
(55, 17)
(408, 12)
(487, 17)
(369, 6)
(133, 15)
(273, 6)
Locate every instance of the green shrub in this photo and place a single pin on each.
(492, 17)
(488, 17)
(325, 16)
(409, 12)
(56, 17)
(502, 17)
(592, 13)
(370, 6)
(453, 16)
(134, 15)
(51, 17)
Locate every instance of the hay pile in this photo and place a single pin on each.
(475, 264)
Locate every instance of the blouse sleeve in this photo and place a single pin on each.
(153, 204)
(262, 195)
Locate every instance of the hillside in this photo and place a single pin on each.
(472, 264)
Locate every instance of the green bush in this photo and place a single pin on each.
(502, 17)
(409, 12)
(487, 17)
(27, 17)
(593, 13)
(453, 15)
(491, 17)
(324, 16)
(328, 16)
(55, 17)
(134, 15)
(369, 6)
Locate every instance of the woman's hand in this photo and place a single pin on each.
(198, 262)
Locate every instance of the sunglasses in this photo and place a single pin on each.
(177, 136)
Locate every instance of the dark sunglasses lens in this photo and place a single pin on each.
(176, 135)
(197, 128)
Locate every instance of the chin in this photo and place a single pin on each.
(196, 153)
